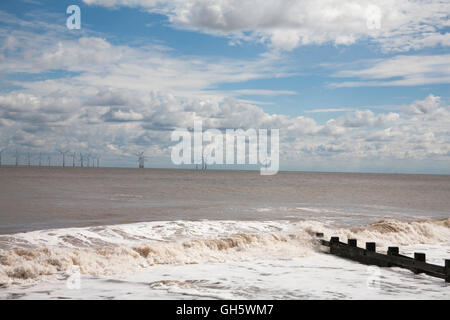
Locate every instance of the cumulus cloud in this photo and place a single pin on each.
(368, 118)
(427, 106)
(146, 122)
(122, 116)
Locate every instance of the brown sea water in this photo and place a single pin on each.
(46, 198)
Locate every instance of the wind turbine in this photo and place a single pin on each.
(40, 159)
(197, 159)
(81, 160)
(1, 151)
(98, 162)
(64, 156)
(17, 158)
(265, 162)
(49, 158)
(29, 158)
(94, 158)
(204, 167)
(141, 159)
(73, 159)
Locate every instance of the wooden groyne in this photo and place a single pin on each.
(393, 258)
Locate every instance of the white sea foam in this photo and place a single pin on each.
(124, 249)
(318, 276)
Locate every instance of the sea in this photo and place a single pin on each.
(123, 233)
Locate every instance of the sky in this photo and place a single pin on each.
(352, 85)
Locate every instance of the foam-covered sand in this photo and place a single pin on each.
(108, 253)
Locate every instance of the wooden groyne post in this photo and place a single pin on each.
(393, 258)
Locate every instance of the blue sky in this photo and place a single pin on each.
(375, 96)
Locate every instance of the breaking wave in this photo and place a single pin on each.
(123, 249)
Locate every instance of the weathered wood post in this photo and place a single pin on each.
(393, 251)
(419, 256)
(334, 241)
(447, 270)
(370, 246)
(352, 242)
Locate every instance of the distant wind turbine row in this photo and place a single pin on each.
(78, 159)
(91, 160)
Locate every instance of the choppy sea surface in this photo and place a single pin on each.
(89, 233)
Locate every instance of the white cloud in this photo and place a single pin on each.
(368, 118)
(396, 25)
(264, 92)
(427, 106)
(101, 64)
(122, 115)
(399, 70)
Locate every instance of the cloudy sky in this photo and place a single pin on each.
(353, 85)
